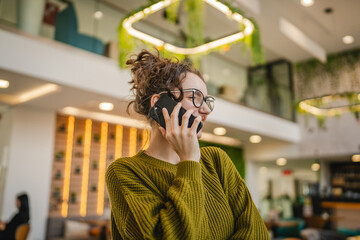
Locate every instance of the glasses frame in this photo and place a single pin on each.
(204, 99)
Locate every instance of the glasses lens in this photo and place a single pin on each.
(210, 102)
(198, 98)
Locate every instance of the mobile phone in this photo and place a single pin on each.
(167, 102)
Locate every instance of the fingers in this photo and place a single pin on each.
(195, 124)
(172, 122)
(185, 119)
(175, 115)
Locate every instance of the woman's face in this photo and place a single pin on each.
(193, 81)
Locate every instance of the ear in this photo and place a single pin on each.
(154, 99)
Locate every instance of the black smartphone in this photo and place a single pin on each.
(167, 102)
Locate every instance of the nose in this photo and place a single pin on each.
(204, 109)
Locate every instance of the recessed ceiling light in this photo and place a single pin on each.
(255, 139)
(281, 161)
(307, 3)
(315, 167)
(106, 106)
(356, 158)
(219, 131)
(98, 14)
(4, 83)
(348, 39)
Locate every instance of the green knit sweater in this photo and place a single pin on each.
(153, 199)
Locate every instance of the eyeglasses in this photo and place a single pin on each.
(198, 98)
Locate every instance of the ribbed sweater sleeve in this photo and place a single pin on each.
(248, 223)
(139, 211)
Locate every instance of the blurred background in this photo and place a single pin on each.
(289, 121)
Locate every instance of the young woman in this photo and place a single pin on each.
(7, 230)
(174, 189)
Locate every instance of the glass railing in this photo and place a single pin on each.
(92, 25)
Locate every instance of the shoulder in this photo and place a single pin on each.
(121, 167)
(215, 154)
(216, 158)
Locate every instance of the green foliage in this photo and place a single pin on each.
(306, 71)
(252, 41)
(195, 25)
(172, 12)
(309, 71)
(126, 46)
(255, 46)
(321, 121)
(194, 36)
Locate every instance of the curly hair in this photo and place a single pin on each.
(152, 74)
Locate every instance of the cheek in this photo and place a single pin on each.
(187, 104)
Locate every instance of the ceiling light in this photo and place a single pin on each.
(348, 39)
(219, 131)
(98, 14)
(208, 137)
(307, 3)
(315, 167)
(330, 105)
(4, 83)
(248, 30)
(37, 92)
(281, 161)
(106, 106)
(356, 158)
(255, 139)
(105, 117)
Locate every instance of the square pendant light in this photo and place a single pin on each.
(248, 30)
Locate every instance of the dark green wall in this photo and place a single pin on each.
(235, 153)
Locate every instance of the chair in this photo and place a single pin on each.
(22, 232)
(290, 231)
(66, 31)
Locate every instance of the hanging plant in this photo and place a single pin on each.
(195, 25)
(79, 140)
(320, 86)
(172, 12)
(307, 72)
(194, 36)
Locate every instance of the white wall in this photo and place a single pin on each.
(29, 165)
(252, 171)
(5, 132)
(339, 137)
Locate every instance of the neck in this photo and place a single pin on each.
(160, 148)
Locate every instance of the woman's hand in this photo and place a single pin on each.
(183, 139)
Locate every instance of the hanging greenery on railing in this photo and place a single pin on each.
(194, 36)
(322, 85)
